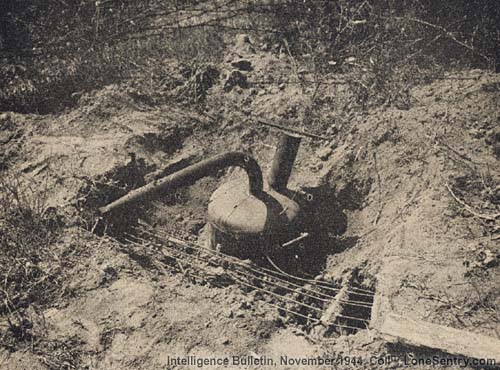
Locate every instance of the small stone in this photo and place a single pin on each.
(332, 130)
(225, 341)
(243, 44)
(242, 65)
(477, 134)
(5, 117)
(490, 259)
(107, 274)
(194, 226)
(324, 153)
(246, 305)
(242, 39)
(236, 78)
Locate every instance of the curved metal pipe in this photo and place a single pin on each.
(189, 175)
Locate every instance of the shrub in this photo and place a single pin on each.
(384, 47)
(52, 50)
(59, 50)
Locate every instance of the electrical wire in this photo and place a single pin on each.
(346, 302)
(249, 276)
(302, 304)
(343, 326)
(238, 261)
(312, 318)
(350, 302)
(234, 260)
(248, 284)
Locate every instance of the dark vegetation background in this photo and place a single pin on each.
(52, 51)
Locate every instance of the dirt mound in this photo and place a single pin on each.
(74, 154)
(405, 201)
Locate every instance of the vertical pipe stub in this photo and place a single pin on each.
(284, 158)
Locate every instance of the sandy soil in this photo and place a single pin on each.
(382, 202)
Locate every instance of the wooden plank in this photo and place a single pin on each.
(398, 329)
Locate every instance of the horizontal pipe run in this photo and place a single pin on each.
(191, 174)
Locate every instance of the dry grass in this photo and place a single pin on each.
(28, 275)
(34, 267)
(383, 48)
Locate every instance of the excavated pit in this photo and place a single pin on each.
(291, 280)
(318, 306)
(409, 228)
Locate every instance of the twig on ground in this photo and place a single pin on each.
(299, 238)
(181, 267)
(379, 182)
(490, 217)
(284, 128)
(445, 33)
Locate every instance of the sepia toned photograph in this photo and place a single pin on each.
(249, 184)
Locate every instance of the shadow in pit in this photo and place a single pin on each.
(107, 188)
(324, 219)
